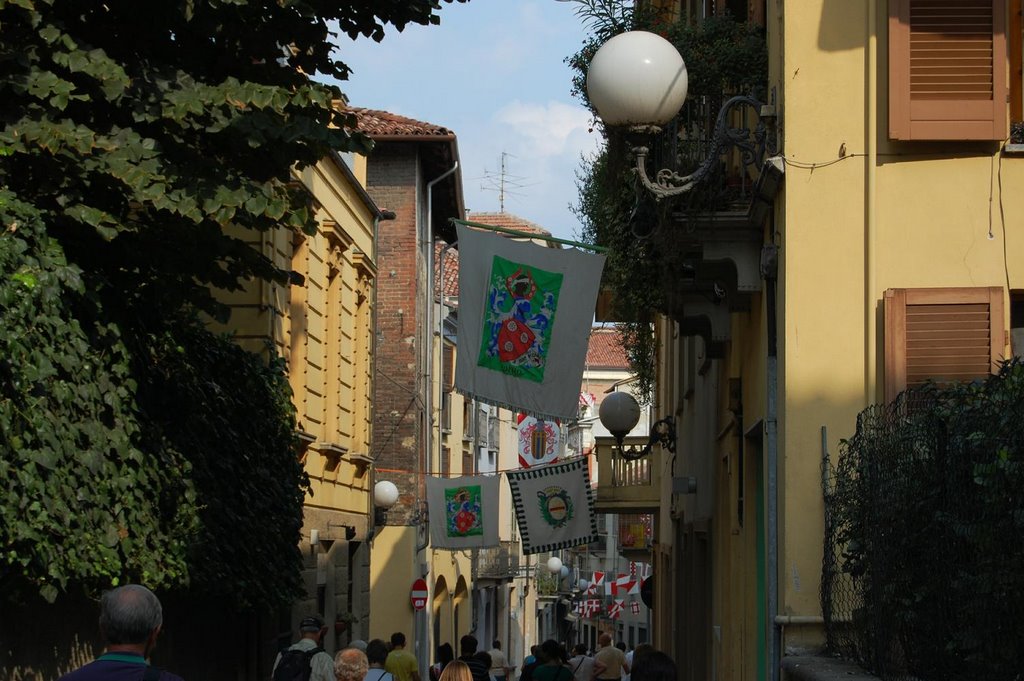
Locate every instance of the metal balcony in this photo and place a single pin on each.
(627, 486)
(496, 563)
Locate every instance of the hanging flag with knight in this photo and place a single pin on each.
(525, 313)
(463, 511)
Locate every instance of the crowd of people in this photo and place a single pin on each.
(131, 618)
(549, 661)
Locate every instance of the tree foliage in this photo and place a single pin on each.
(135, 139)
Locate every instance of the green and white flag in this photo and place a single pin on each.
(525, 313)
(463, 511)
(554, 506)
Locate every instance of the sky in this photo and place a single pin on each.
(493, 73)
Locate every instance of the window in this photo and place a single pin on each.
(468, 419)
(446, 412)
(943, 334)
(448, 368)
(947, 69)
(446, 460)
(1017, 323)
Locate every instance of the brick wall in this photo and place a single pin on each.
(392, 173)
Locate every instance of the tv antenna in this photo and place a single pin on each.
(502, 182)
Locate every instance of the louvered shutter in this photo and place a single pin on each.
(942, 334)
(448, 359)
(947, 70)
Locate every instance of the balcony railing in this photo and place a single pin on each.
(496, 562)
(627, 486)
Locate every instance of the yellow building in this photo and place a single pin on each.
(900, 207)
(322, 326)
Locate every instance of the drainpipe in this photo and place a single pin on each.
(440, 335)
(422, 631)
(769, 270)
(870, 202)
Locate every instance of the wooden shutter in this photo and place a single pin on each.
(947, 70)
(448, 360)
(943, 334)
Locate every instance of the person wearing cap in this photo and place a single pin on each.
(311, 633)
(130, 620)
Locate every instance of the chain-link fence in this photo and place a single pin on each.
(923, 575)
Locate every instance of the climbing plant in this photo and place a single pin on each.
(722, 56)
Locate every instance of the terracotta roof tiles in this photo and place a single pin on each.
(383, 123)
(508, 221)
(605, 350)
(451, 268)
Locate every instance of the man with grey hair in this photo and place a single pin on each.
(350, 664)
(306, 659)
(130, 621)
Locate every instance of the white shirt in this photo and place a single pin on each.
(582, 667)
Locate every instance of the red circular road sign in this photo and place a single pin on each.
(419, 594)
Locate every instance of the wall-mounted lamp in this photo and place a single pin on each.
(638, 79)
(314, 538)
(619, 413)
(385, 495)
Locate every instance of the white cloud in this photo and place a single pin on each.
(548, 129)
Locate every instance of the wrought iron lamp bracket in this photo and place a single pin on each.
(753, 145)
(663, 432)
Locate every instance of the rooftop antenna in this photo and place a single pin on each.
(503, 182)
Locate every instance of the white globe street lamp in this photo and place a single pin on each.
(637, 78)
(385, 494)
(619, 413)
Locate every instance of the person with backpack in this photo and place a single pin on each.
(130, 620)
(377, 654)
(306, 660)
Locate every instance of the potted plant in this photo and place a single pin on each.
(342, 621)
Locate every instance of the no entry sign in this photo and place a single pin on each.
(419, 594)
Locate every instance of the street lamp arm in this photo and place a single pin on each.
(751, 145)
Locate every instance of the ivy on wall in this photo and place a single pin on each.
(135, 139)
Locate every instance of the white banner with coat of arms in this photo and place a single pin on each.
(524, 322)
(463, 511)
(554, 506)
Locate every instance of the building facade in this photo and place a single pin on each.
(893, 234)
(322, 326)
(413, 172)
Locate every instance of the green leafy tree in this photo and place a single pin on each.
(135, 139)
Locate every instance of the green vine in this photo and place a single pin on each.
(135, 146)
(644, 259)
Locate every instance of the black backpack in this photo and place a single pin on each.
(295, 664)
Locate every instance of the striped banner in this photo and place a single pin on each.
(554, 506)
